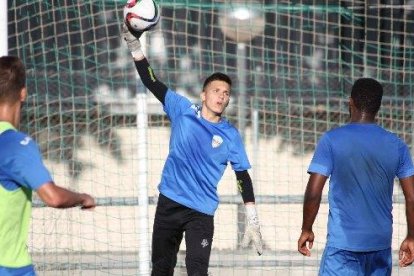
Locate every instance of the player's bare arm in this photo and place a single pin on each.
(312, 201)
(58, 197)
(406, 254)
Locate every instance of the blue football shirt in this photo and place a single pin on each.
(21, 162)
(199, 152)
(21, 171)
(362, 161)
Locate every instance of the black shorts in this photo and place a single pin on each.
(171, 221)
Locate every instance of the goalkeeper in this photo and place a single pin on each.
(202, 143)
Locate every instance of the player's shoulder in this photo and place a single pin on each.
(333, 131)
(172, 95)
(12, 140)
(394, 137)
(373, 129)
(174, 101)
(228, 126)
(355, 128)
(390, 133)
(336, 133)
(12, 135)
(383, 132)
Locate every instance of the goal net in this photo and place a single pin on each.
(292, 65)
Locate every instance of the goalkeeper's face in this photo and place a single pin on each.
(215, 98)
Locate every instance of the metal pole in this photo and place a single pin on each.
(255, 140)
(3, 29)
(241, 75)
(142, 208)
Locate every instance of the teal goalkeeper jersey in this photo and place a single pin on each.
(199, 152)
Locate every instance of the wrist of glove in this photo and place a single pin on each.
(131, 38)
(252, 233)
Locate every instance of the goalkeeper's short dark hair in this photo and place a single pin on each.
(217, 76)
(367, 95)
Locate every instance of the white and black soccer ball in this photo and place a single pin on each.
(141, 15)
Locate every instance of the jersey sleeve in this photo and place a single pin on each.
(322, 161)
(238, 156)
(175, 104)
(26, 167)
(405, 168)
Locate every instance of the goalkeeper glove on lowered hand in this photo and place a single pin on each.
(131, 38)
(252, 233)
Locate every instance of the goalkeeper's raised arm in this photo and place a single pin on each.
(148, 78)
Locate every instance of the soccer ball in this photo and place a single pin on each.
(141, 15)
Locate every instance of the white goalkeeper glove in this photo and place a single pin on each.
(132, 40)
(252, 233)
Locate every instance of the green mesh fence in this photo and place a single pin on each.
(292, 64)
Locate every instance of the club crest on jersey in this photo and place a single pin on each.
(197, 110)
(216, 141)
